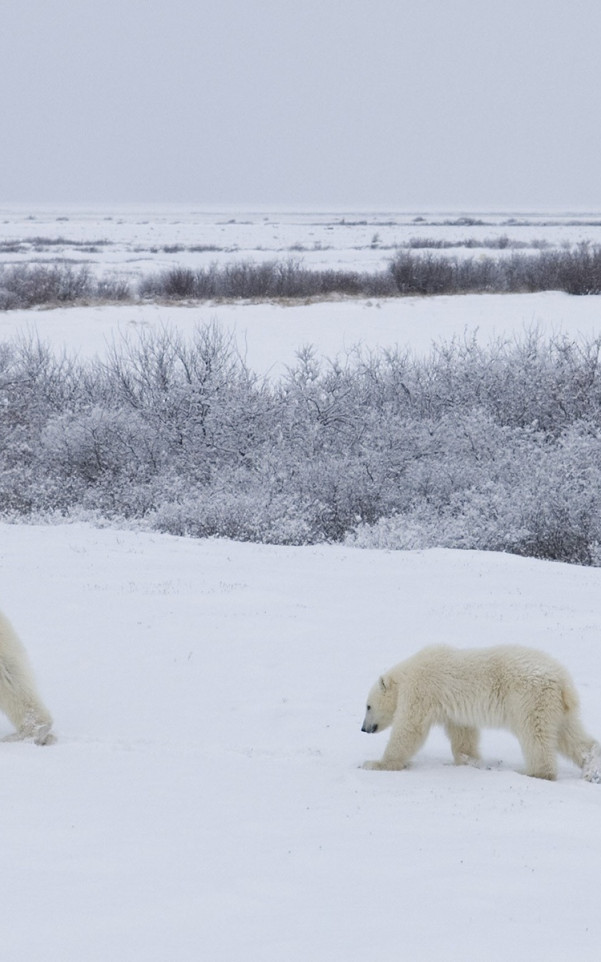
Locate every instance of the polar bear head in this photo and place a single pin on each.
(381, 705)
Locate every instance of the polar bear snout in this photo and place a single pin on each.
(380, 706)
(369, 725)
(369, 728)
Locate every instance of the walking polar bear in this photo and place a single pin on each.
(508, 686)
(19, 699)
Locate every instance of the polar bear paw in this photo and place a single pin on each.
(37, 732)
(383, 766)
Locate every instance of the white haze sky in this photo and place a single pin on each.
(448, 104)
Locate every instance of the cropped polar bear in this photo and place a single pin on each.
(19, 699)
(508, 686)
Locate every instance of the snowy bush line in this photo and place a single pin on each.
(32, 285)
(576, 271)
(494, 447)
(271, 279)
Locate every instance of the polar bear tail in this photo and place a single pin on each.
(569, 695)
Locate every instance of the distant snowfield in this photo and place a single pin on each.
(269, 335)
(134, 241)
(205, 798)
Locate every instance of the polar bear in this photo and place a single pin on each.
(19, 699)
(507, 686)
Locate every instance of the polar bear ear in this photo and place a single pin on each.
(384, 683)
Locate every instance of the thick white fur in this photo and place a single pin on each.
(19, 699)
(508, 686)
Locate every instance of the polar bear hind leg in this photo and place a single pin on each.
(21, 704)
(540, 753)
(577, 745)
(19, 699)
(537, 729)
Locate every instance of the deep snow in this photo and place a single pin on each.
(205, 796)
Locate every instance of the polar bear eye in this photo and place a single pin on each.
(369, 707)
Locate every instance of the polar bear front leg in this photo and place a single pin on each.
(409, 733)
(464, 743)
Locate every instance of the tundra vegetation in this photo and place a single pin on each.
(493, 447)
(411, 271)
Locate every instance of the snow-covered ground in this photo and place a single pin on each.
(269, 335)
(204, 798)
(135, 240)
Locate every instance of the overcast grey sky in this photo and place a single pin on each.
(443, 104)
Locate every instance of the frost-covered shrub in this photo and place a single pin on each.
(424, 274)
(574, 271)
(112, 288)
(496, 448)
(99, 446)
(9, 299)
(262, 281)
(30, 285)
(247, 514)
(534, 498)
(561, 499)
(415, 269)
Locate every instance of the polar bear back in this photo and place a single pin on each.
(483, 687)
